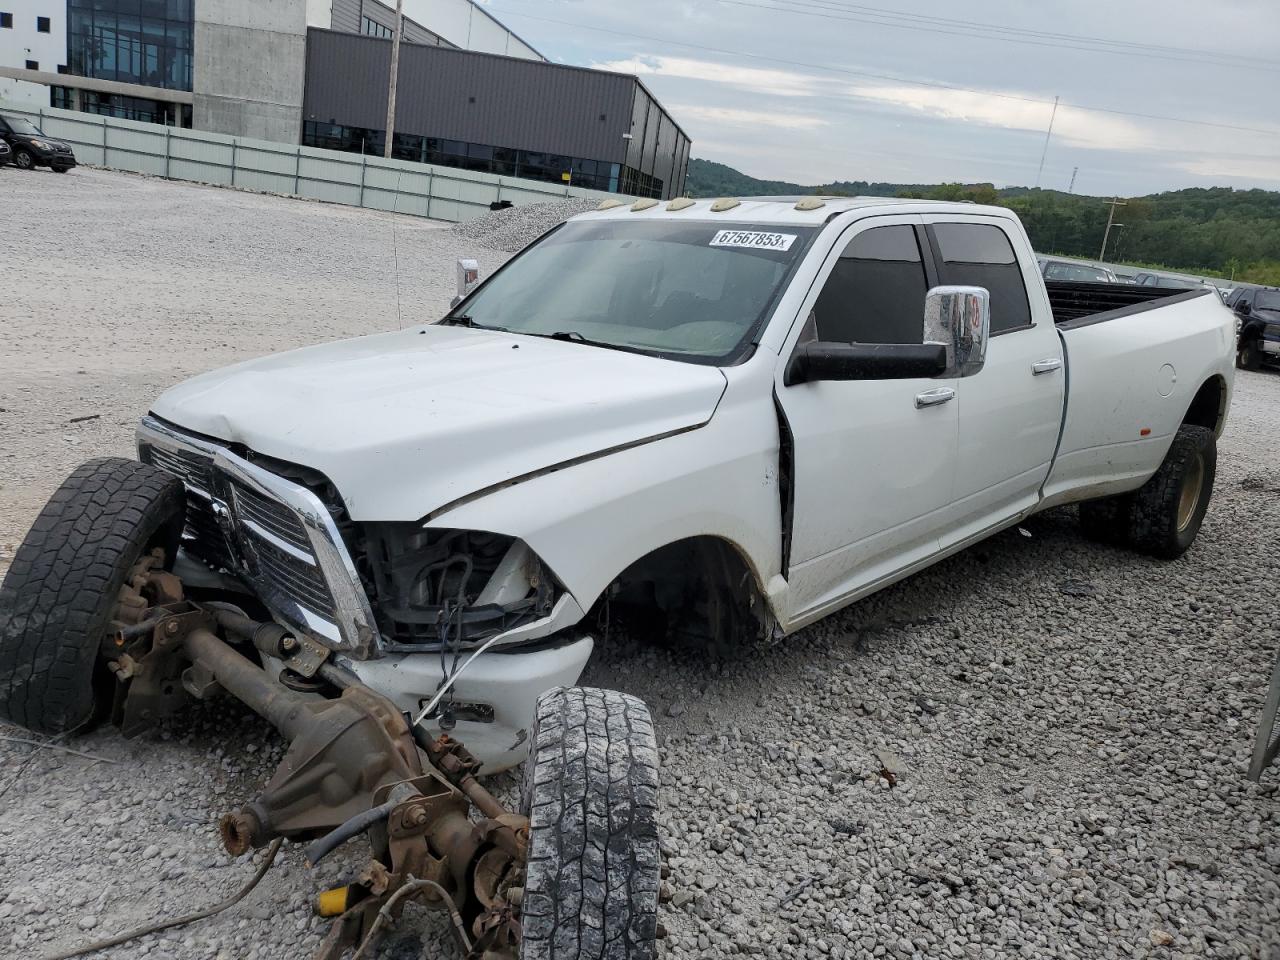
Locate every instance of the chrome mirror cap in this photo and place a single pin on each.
(960, 319)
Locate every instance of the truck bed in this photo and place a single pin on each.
(1131, 381)
(1075, 303)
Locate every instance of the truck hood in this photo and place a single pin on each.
(406, 423)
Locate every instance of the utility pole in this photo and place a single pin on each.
(1071, 187)
(1048, 134)
(395, 79)
(1113, 203)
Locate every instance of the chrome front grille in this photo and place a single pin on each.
(272, 518)
(274, 535)
(203, 537)
(300, 580)
(193, 469)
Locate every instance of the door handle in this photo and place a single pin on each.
(931, 398)
(1045, 366)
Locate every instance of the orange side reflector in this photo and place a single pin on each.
(1144, 432)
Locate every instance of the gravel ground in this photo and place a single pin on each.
(514, 229)
(1067, 725)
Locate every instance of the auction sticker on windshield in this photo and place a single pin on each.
(753, 239)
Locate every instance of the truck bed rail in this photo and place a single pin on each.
(1073, 301)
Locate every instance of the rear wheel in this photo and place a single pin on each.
(59, 596)
(1169, 508)
(591, 795)
(23, 159)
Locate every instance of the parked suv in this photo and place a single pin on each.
(31, 148)
(1257, 312)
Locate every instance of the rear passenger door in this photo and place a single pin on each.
(1010, 412)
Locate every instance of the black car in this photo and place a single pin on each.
(6, 153)
(1258, 324)
(31, 148)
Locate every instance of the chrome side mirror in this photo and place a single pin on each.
(959, 318)
(468, 279)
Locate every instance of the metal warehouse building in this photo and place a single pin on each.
(471, 93)
(517, 117)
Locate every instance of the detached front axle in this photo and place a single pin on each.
(353, 766)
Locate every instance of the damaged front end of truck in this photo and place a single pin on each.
(401, 605)
(205, 571)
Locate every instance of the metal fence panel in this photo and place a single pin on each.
(443, 193)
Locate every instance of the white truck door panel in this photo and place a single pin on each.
(873, 459)
(1010, 412)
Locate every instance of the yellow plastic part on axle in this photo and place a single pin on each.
(332, 903)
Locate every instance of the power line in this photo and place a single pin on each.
(855, 13)
(877, 76)
(1004, 28)
(827, 11)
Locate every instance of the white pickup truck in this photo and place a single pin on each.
(719, 418)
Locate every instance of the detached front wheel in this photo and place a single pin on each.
(591, 795)
(60, 594)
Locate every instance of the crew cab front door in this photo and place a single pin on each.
(872, 460)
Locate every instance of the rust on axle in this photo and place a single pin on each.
(353, 767)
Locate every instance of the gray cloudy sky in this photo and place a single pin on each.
(752, 82)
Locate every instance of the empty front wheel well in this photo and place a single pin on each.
(1209, 406)
(699, 589)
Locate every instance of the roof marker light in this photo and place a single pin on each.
(680, 203)
(810, 203)
(644, 204)
(724, 203)
(609, 204)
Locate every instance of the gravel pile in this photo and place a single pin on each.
(1036, 748)
(515, 228)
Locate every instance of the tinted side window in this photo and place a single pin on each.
(875, 293)
(980, 255)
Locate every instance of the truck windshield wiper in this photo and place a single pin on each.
(462, 320)
(573, 336)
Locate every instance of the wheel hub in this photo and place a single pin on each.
(1190, 496)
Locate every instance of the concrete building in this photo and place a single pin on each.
(463, 24)
(33, 39)
(520, 118)
(249, 67)
(472, 93)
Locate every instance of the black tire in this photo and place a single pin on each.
(58, 597)
(591, 794)
(23, 159)
(1247, 356)
(1169, 508)
(1107, 520)
(61, 169)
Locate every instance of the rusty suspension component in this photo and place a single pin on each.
(347, 756)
